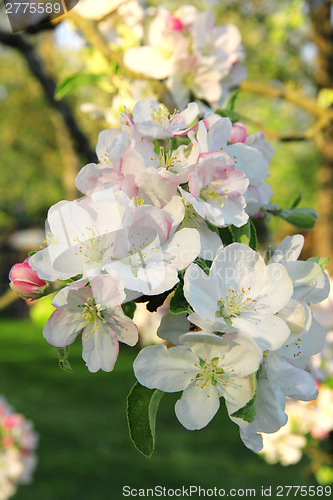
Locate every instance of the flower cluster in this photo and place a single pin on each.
(194, 56)
(18, 442)
(167, 209)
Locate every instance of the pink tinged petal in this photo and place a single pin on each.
(239, 132)
(218, 134)
(184, 119)
(289, 249)
(269, 332)
(175, 208)
(182, 248)
(201, 293)
(108, 290)
(100, 348)
(169, 370)
(125, 329)
(249, 161)
(62, 328)
(197, 406)
(172, 326)
(91, 176)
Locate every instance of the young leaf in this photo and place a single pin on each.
(228, 113)
(63, 358)
(322, 261)
(74, 82)
(302, 217)
(253, 239)
(142, 406)
(203, 264)
(178, 303)
(242, 234)
(297, 200)
(129, 309)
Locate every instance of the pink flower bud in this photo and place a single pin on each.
(25, 281)
(239, 132)
(7, 441)
(174, 24)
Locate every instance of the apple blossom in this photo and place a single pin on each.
(96, 313)
(216, 189)
(205, 367)
(240, 293)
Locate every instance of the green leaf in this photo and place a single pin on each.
(226, 235)
(302, 217)
(297, 200)
(228, 113)
(241, 234)
(178, 303)
(248, 412)
(63, 358)
(253, 239)
(142, 406)
(72, 83)
(322, 261)
(129, 309)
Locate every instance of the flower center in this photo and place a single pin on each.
(233, 305)
(91, 313)
(210, 373)
(168, 159)
(191, 218)
(214, 192)
(92, 248)
(161, 115)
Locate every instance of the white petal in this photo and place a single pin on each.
(269, 332)
(197, 406)
(289, 249)
(62, 328)
(100, 350)
(182, 248)
(297, 383)
(169, 370)
(200, 291)
(172, 326)
(125, 329)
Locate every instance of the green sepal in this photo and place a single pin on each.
(248, 412)
(142, 406)
(31, 254)
(178, 303)
(129, 309)
(204, 264)
(63, 359)
(322, 261)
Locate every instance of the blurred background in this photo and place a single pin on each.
(84, 448)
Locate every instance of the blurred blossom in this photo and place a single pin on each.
(18, 442)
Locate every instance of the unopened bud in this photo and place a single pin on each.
(239, 132)
(25, 281)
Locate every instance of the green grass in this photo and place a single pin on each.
(85, 452)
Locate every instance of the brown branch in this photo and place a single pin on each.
(7, 298)
(295, 97)
(35, 65)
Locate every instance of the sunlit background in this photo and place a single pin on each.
(84, 450)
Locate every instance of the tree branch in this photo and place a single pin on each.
(307, 103)
(35, 65)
